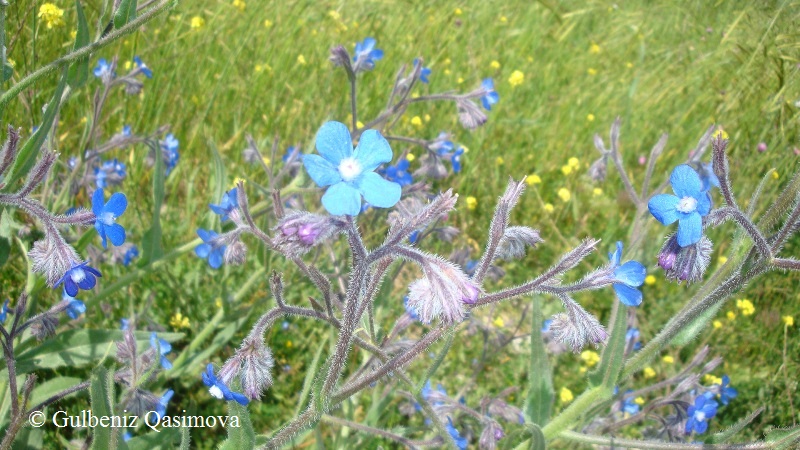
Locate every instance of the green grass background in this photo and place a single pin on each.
(662, 66)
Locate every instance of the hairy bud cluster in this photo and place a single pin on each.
(685, 263)
(442, 292)
(252, 363)
(298, 231)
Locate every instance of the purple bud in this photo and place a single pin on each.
(762, 147)
(300, 230)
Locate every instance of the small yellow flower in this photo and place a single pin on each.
(591, 71)
(503, 19)
(427, 117)
(334, 15)
(722, 260)
(639, 401)
(746, 306)
(574, 162)
(594, 49)
(597, 192)
(516, 78)
(649, 372)
(458, 11)
(499, 161)
(127, 65)
(265, 160)
(416, 121)
(472, 202)
(590, 357)
(239, 4)
(495, 65)
(566, 170)
(731, 315)
(84, 119)
(447, 72)
(583, 369)
(650, 280)
(721, 134)
(629, 65)
(11, 62)
(788, 321)
(775, 175)
(548, 208)
(267, 23)
(197, 22)
(301, 59)
(289, 344)
(73, 34)
(178, 321)
(499, 322)
(565, 395)
(460, 80)
(533, 179)
(668, 359)
(410, 157)
(446, 61)
(51, 15)
(711, 379)
(218, 303)
(564, 194)
(590, 117)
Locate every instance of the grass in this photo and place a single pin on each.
(663, 67)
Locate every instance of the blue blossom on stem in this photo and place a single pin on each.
(455, 159)
(169, 148)
(490, 97)
(688, 206)
(365, 55)
(109, 173)
(142, 67)
(80, 275)
(161, 347)
(708, 177)
(399, 173)
(627, 277)
(699, 414)
(424, 73)
(629, 405)
(461, 442)
(124, 324)
(161, 407)
(726, 392)
(292, 154)
(131, 253)
(107, 216)
(350, 174)
(210, 249)
(75, 307)
(103, 70)
(227, 205)
(4, 312)
(219, 390)
(126, 130)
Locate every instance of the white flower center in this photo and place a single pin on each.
(687, 205)
(216, 392)
(107, 218)
(77, 275)
(699, 416)
(349, 169)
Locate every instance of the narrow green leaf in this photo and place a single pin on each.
(152, 248)
(79, 70)
(8, 72)
(437, 361)
(784, 438)
(125, 13)
(724, 436)
(241, 434)
(27, 155)
(539, 404)
(696, 326)
(101, 393)
(198, 360)
(49, 388)
(164, 439)
(5, 251)
(311, 372)
(537, 437)
(614, 354)
(29, 438)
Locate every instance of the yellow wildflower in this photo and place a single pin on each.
(721, 134)
(731, 315)
(178, 321)
(722, 260)
(668, 359)
(472, 202)
(566, 170)
(788, 321)
(533, 179)
(447, 72)
(594, 48)
(410, 157)
(639, 401)
(717, 324)
(499, 161)
(574, 162)
(590, 117)
(267, 23)
(711, 379)
(629, 65)
(775, 175)
(650, 280)
(458, 11)
(416, 121)
(301, 59)
(239, 4)
(11, 62)
(565, 395)
(564, 194)
(460, 80)
(334, 15)
(548, 208)
(265, 160)
(197, 22)
(592, 71)
(649, 372)
(446, 61)
(746, 306)
(503, 19)
(51, 15)
(495, 65)
(516, 78)
(597, 192)
(499, 322)
(218, 302)
(289, 344)
(591, 358)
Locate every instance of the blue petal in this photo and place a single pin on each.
(690, 229)
(334, 142)
(322, 171)
(376, 54)
(202, 250)
(627, 295)
(379, 192)
(240, 398)
(341, 199)
(686, 182)
(662, 207)
(116, 234)
(704, 204)
(87, 283)
(70, 287)
(97, 202)
(616, 256)
(116, 204)
(215, 258)
(372, 150)
(101, 230)
(631, 273)
(700, 427)
(206, 235)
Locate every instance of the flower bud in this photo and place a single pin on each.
(52, 257)
(298, 231)
(442, 292)
(469, 114)
(685, 263)
(598, 169)
(236, 253)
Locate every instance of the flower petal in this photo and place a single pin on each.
(322, 171)
(341, 199)
(631, 273)
(70, 287)
(627, 295)
(704, 204)
(378, 191)
(662, 207)
(202, 250)
(116, 204)
(372, 150)
(215, 258)
(334, 142)
(240, 398)
(686, 182)
(116, 234)
(102, 232)
(690, 229)
(87, 283)
(616, 255)
(97, 202)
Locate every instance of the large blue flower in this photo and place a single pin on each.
(366, 54)
(627, 277)
(107, 217)
(209, 248)
(699, 414)
(688, 206)
(229, 202)
(219, 390)
(350, 174)
(491, 96)
(80, 275)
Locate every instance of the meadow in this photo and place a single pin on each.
(564, 71)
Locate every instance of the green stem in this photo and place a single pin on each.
(659, 445)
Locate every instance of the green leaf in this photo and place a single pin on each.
(26, 157)
(537, 437)
(613, 359)
(539, 404)
(220, 181)
(75, 348)
(29, 438)
(79, 70)
(691, 330)
(517, 438)
(5, 251)
(784, 438)
(101, 392)
(125, 13)
(241, 436)
(724, 436)
(311, 372)
(49, 388)
(151, 247)
(164, 439)
(199, 360)
(8, 72)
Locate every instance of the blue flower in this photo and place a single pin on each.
(399, 173)
(229, 202)
(687, 207)
(629, 404)
(699, 414)
(143, 67)
(161, 407)
(4, 312)
(169, 148)
(219, 390)
(131, 253)
(460, 441)
(708, 177)
(366, 54)
(161, 347)
(546, 325)
(75, 307)
(627, 277)
(292, 155)
(491, 96)
(455, 159)
(209, 248)
(103, 69)
(80, 275)
(350, 174)
(106, 216)
(126, 130)
(414, 236)
(632, 335)
(411, 313)
(726, 392)
(424, 73)
(109, 173)
(124, 324)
